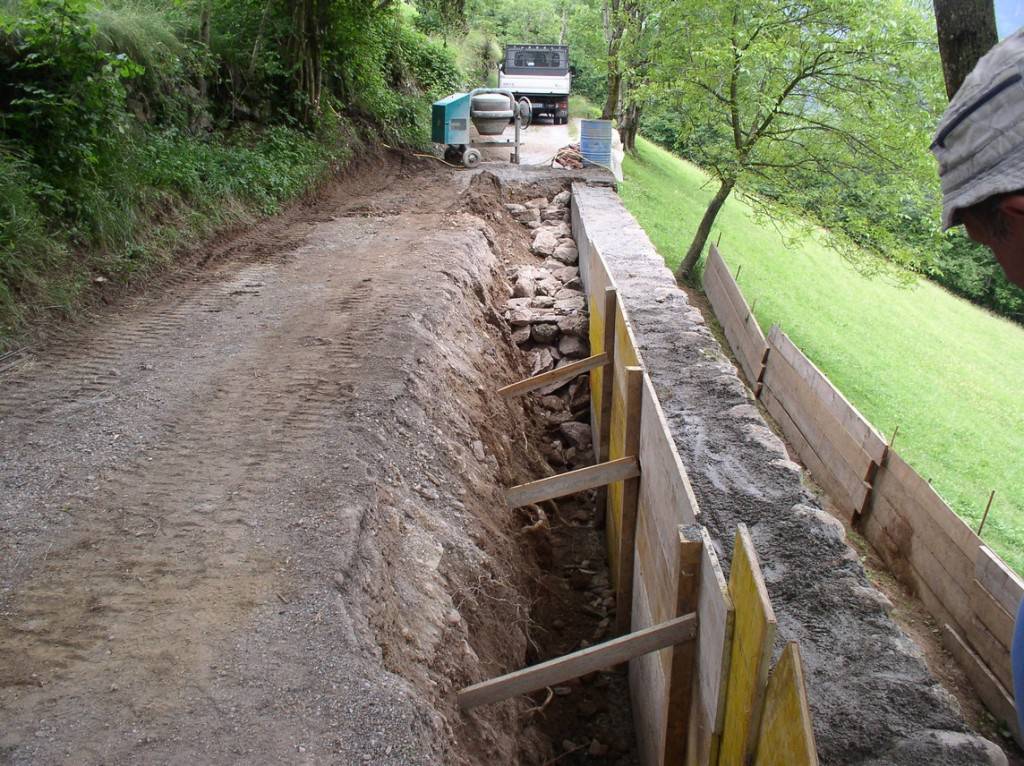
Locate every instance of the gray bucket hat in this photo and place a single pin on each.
(980, 141)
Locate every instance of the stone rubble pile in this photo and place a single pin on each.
(548, 316)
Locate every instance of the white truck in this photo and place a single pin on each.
(541, 74)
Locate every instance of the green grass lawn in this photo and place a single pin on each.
(949, 374)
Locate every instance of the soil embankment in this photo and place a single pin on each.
(257, 516)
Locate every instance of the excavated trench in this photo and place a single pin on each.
(586, 720)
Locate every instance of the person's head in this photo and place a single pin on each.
(998, 222)
(979, 145)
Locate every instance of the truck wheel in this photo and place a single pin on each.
(471, 158)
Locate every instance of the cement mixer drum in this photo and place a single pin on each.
(491, 113)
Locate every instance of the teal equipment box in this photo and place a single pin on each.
(449, 120)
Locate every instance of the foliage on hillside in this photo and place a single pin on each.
(128, 127)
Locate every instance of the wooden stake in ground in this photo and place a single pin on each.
(984, 516)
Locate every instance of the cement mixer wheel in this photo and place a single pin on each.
(471, 158)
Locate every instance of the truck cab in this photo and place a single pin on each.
(541, 74)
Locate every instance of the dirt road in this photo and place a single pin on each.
(233, 515)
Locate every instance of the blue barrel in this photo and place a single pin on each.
(596, 141)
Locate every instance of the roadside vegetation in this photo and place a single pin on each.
(917, 357)
(130, 128)
(580, 107)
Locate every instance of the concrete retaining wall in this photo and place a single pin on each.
(872, 698)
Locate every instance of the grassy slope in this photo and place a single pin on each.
(946, 372)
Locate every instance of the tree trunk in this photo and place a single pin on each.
(701, 237)
(614, 83)
(613, 29)
(629, 126)
(967, 30)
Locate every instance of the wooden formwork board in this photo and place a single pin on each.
(909, 489)
(840, 448)
(1004, 584)
(738, 322)
(891, 499)
(946, 595)
(733, 292)
(849, 500)
(624, 433)
(860, 430)
(684, 671)
(648, 686)
(753, 637)
(661, 683)
(992, 615)
(786, 737)
(622, 496)
(665, 499)
(818, 424)
(716, 617)
(992, 693)
(667, 482)
(666, 571)
(930, 548)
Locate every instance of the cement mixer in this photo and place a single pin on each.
(490, 110)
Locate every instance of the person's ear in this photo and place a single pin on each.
(1013, 206)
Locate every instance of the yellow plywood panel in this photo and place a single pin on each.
(753, 636)
(627, 401)
(786, 737)
(623, 441)
(625, 345)
(616, 449)
(597, 322)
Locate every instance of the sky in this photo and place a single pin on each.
(1009, 16)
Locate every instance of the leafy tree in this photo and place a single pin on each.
(518, 21)
(770, 89)
(587, 49)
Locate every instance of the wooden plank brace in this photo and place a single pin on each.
(560, 374)
(570, 482)
(599, 657)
